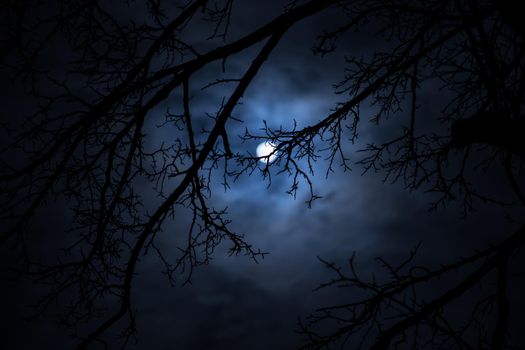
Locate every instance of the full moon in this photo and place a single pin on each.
(264, 150)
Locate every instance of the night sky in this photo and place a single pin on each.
(235, 302)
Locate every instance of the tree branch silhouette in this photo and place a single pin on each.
(88, 141)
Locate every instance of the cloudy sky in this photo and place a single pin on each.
(235, 303)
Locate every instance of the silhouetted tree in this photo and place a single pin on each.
(475, 48)
(87, 142)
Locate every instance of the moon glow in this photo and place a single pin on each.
(265, 149)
